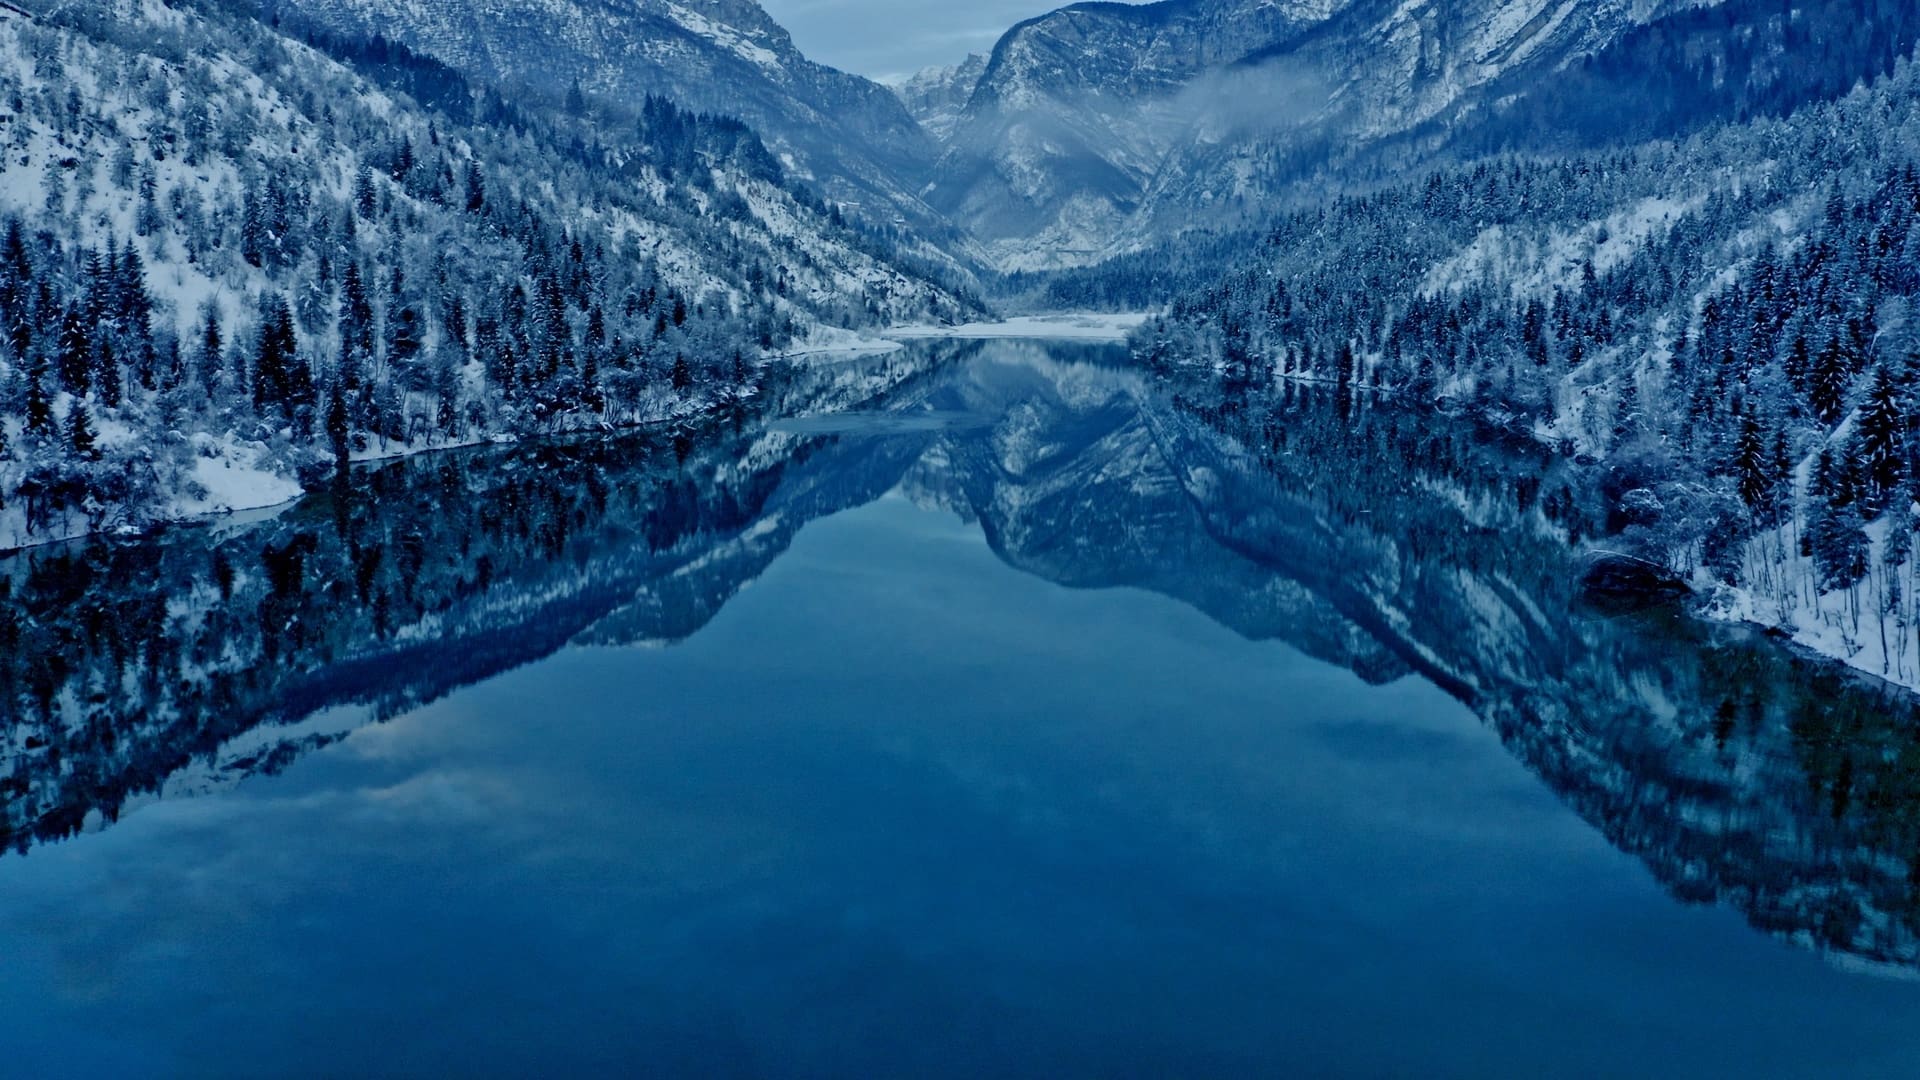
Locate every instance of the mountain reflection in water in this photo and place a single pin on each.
(1392, 545)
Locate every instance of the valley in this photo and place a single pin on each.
(1185, 539)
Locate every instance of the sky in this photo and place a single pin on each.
(890, 39)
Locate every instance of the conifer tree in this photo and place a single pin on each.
(1882, 429)
(476, 188)
(76, 353)
(253, 226)
(39, 418)
(356, 328)
(80, 435)
(279, 374)
(1753, 463)
(208, 362)
(1829, 382)
(1839, 542)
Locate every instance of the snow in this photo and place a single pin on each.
(725, 37)
(824, 278)
(1536, 265)
(1838, 626)
(1102, 328)
(233, 481)
(835, 341)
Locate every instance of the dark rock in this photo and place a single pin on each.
(314, 475)
(1614, 579)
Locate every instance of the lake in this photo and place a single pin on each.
(987, 708)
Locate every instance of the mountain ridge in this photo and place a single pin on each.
(237, 261)
(1099, 121)
(845, 133)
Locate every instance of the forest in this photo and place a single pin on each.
(238, 259)
(1720, 328)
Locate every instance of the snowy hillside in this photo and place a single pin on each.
(1723, 328)
(843, 133)
(234, 261)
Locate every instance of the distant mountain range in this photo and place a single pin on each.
(1093, 126)
(1104, 127)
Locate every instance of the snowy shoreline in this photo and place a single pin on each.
(1868, 626)
(231, 478)
(235, 484)
(834, 341)
(1090, 328)
(1111, 329)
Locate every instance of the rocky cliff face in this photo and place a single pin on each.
(937, 97)
(1101, 126)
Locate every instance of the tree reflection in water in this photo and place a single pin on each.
(1391, 543)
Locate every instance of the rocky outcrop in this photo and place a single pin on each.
(1623, 581)
(938, 97)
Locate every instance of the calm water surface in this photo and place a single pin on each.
(977, 711)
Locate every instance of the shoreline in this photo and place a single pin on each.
(843, 344)
(362, 462)
(1095, 328)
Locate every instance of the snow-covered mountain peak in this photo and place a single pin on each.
(938, 96)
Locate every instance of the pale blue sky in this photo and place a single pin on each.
(888, 38)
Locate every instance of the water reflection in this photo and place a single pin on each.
(1389, 544)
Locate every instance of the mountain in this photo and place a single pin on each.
(232, 261)
(1101, 128)
(937, 97)
(845, 134)
(1091, 121)
(1723, 327)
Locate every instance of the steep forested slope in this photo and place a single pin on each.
(1723, 324)
(231, 258)
(844, 133)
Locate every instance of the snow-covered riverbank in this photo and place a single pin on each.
(204, 478)
(200, 478)
(1098, 329)
(831, 341)
(1872, 626)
